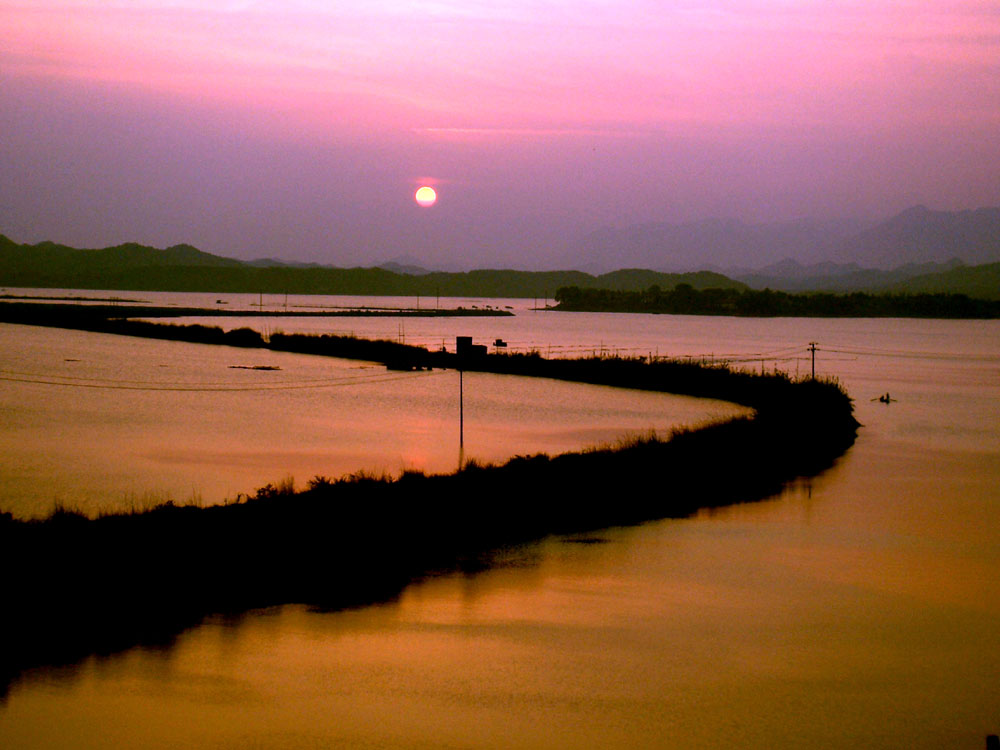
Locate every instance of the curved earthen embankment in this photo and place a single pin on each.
(77, 586)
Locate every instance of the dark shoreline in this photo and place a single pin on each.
(766, 303)
(58, 315)
(79, 586)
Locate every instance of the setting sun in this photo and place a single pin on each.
(426, 196)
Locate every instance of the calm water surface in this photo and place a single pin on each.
(101, 422)
(857, 610)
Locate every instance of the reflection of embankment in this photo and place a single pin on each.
(77, 586)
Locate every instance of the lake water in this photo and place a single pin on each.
(100, 422)
(859, 609)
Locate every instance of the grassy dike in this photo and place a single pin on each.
(76, 586)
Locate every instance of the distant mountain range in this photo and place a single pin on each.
(185, 268)
(920, 235)
(918, 250)
(713, 243)
(917, 235)
(790, 276)
(128, 255)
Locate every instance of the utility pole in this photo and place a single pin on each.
(461, 422)
(812, 349)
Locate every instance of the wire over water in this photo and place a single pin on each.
(215, 388)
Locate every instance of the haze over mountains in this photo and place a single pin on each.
(916, 250)
(916, 235)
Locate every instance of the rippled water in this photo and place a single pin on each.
(857, 610)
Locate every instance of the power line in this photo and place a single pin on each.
(222, 388)
(898, 353)
(119, 381)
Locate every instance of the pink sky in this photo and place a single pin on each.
(299, 129)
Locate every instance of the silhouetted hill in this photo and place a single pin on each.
(185, 268)
(407, 264)
(981, 281)
(133, 255)
(634, 279)
(183, 255)
(44, 255)
(400, 268)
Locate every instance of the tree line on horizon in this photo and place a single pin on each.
(684, 299)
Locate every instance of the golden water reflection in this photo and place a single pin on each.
(857, 610)
(778, 624)
(100, 422)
